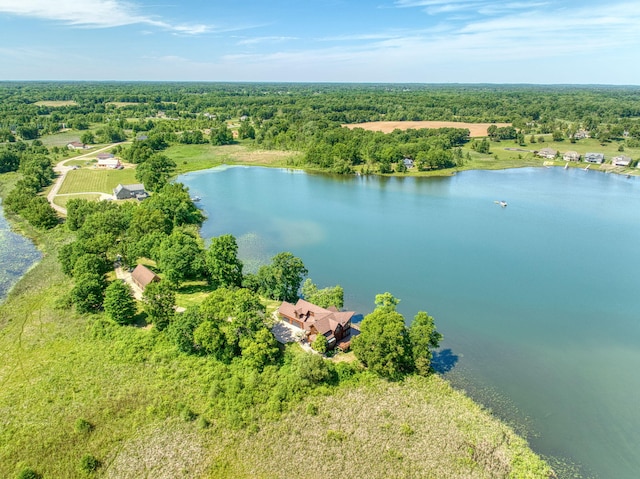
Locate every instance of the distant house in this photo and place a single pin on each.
(244, 118)
(548, 153)
(142, 276)
(581, 134)
(621, 160)
(597, 158)
(333, 324)
(408, 162)
(571, 156)
(125, 192)
(109, 163)
(76, 145)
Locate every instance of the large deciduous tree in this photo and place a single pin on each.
(281, 279)
(223, 265)
(424, 338)
(383, 344)
(155, 172)
(119, 303)
(159, 303)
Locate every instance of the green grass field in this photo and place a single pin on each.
(200, 157)
(63, 200)
(90, 180)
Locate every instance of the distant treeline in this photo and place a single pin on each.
(308, 117)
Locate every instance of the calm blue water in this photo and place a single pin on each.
(17, 255)
(539, 302)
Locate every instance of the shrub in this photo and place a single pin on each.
(28, 473)
(83, 426)
(89, 463)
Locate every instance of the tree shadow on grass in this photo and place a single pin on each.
(140, 320)
(443, 361)
(195, 288)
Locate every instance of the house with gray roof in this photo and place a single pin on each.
(621, 160)
(597, 158)
(126, 192)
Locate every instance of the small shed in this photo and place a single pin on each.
(143, 276)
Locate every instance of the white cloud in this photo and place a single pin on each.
(93, 14)
(271, 39)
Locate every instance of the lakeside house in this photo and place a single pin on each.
(126, 192)
(571, 156)
(142, 276)
(621, 160)
(313, 320)
(408, 163)
(548, 153)
(596, 158)
(76, 145)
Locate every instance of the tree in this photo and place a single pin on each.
(175, 204)
(282, 278)
(223, 265)
(9, 160)
(221, 135)
(180, 256)
(331, 296)
(88, 138)
(260, 350)
(119, 303)
(155, 172)
(159, 303)
(424, 338)
(383, 344)
(320, 344)
(40, 213)
(88, 292)
(181, 328)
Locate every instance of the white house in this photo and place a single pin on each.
(571, 156)
(548, 153)
(109, 163)
(621, 160)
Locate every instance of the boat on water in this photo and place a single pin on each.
(501, 203)
(195, 198)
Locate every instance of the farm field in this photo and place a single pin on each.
(475, 129)
(56, 103)
(89, 180)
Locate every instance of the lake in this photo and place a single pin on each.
(17, 255)
(538, 301)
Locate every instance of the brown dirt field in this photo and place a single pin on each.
(475, 129)
(55, 103)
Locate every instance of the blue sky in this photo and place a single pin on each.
(424, 41)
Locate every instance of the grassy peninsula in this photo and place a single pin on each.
(83, 396)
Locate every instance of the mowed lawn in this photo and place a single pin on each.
(103, 181)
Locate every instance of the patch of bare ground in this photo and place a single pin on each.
(56, 103)
(475, 129)
(165, 451)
